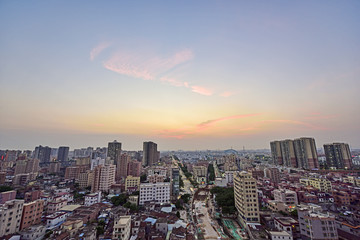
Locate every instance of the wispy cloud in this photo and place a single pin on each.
(202, 90)
(154, 68)
(98, 49)
(212, 122)
(316, 115)
(192, 130)
(295, 122)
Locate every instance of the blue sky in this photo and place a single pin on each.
(82, 73)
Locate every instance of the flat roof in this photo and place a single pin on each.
(70, 208)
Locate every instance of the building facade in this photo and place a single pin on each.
(104, 177)
(338, 156)
(10, 216)
(246, 198)
(150, 154)
(156, 192)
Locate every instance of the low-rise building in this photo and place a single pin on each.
(322, 184)
(92, 198)
(122, 228)
(286, 196)
(55, 219)
(288, 225)
(36, 232)
(280, 235)
(315, 224)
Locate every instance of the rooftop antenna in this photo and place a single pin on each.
(244, 148)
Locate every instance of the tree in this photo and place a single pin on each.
(143, 177)
(186, 198)
(178, 214)
(211, 172)
(5, 188)
(294, 213)
(119, 200)
(181, 182)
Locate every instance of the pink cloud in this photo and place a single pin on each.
(296, 122)
(201, 90)
(151, 67)
(211, 122)
(98, 49)
(316, 115)
(173, 82)
(226, 94)
(191, 130)
(123, 65)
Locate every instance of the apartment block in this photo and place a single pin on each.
(132, 183)
(156, 192)
(104, 177)
(273, 174)
(286, 196)
(10, 216)
(316, 225)
(122, 228)
(322, 184)
(338, 156)
(32, 213)
(298, 153)
(246, 198)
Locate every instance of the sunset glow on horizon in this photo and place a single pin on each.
(189, 75)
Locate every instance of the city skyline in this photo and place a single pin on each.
(191, 76)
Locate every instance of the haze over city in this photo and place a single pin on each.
(186, 75)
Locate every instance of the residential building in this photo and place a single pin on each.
(316, 225)
(273, 174)
(338, 156)
(246, 198)
(36, 232)
(280, 235)
(157, 192)
(134, 168)
(104, 177)
(286, 196)
(122, 228)
(175, 182)
(132, 184)
(62, 156)
(7, 196)
(55, 218)
(56, 204)
(32, 213)
(150, 154)
(114, 150)
(200, 174)
(85, 179)
(43, 154)
(122, 166)
(306, 154)
(300, 153)
(288, 225)
(10, 216)
(321, 183)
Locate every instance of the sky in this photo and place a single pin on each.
(189, 75)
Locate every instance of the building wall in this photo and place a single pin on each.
(10, 216)
(158, 192)
(32, 213)
(246, 198)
